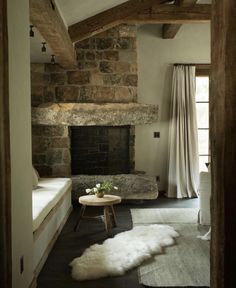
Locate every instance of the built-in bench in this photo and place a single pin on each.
(51, 208)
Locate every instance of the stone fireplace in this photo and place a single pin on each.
(84, 118)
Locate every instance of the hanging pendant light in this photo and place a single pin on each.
(43, 49)
(53, 61)
(31, 32)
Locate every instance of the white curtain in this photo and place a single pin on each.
(183, 176)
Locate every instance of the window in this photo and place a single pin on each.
(202, 109)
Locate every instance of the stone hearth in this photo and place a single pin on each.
(131, 186)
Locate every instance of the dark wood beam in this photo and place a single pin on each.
(223, 143)
(108, 19)
(5, 175)
(172, 14)
(45, 17)
(170, 30)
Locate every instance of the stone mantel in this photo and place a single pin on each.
(91, 114)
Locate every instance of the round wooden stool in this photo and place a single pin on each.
(107, 202)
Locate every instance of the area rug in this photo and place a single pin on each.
(164, 215)
(123, 252)
(186, 264)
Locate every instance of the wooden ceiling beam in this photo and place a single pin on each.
(45, 16)
(172, 14)
(170, 30)
(108, 19)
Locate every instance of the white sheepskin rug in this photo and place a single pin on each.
(123, 252)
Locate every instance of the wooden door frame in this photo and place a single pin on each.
(5, 179)
(223, 143)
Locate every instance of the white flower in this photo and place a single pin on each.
(116, 188)
(95, 190)
(98, 185)
(88, 190)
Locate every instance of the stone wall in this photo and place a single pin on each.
(106, 72)
(51, 150)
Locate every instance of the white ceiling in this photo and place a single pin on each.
(77, 10)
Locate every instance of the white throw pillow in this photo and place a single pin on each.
(35, 178)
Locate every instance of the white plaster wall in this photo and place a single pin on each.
(156, 57)
(20, 137)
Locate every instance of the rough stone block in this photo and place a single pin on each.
(39, 144)
(49, 93)
(67, 93)
(123, 43)
(85, 44)
(87, 65)
(98, 94)
(121, 67)
(39, 159)
(130, 186)
(37, 130)
(66, 156)
(55, 131)
(54, 156)
(130, 80)
(111, 55)
(90, 55)
(133, 43)
(37, 93)
(99, 55)
(90, 114)
(60, 142)
(127, 31)
(106, 67)
(112, 79)
(96, 78)
(129, 56)
(61, 171)
(58, 78)
(39, 79)
(133, 68)
(104, 43)
(125, 94)
(78, 77)
(80, 55)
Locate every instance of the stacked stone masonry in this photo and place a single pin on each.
(51, 150)
(106, 72)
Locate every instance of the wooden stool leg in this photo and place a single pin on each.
(114, 216)
(81, 214)
(107, 220)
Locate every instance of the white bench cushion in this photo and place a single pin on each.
(46, 196)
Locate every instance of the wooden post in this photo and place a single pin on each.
(5, 180)
(223, 143)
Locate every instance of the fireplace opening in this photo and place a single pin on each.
(102, 150)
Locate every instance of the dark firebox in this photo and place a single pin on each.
(101, 150)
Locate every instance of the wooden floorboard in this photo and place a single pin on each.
(70, 244)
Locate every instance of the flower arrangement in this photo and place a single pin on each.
(101, 188)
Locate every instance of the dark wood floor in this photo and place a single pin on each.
(70, 244)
